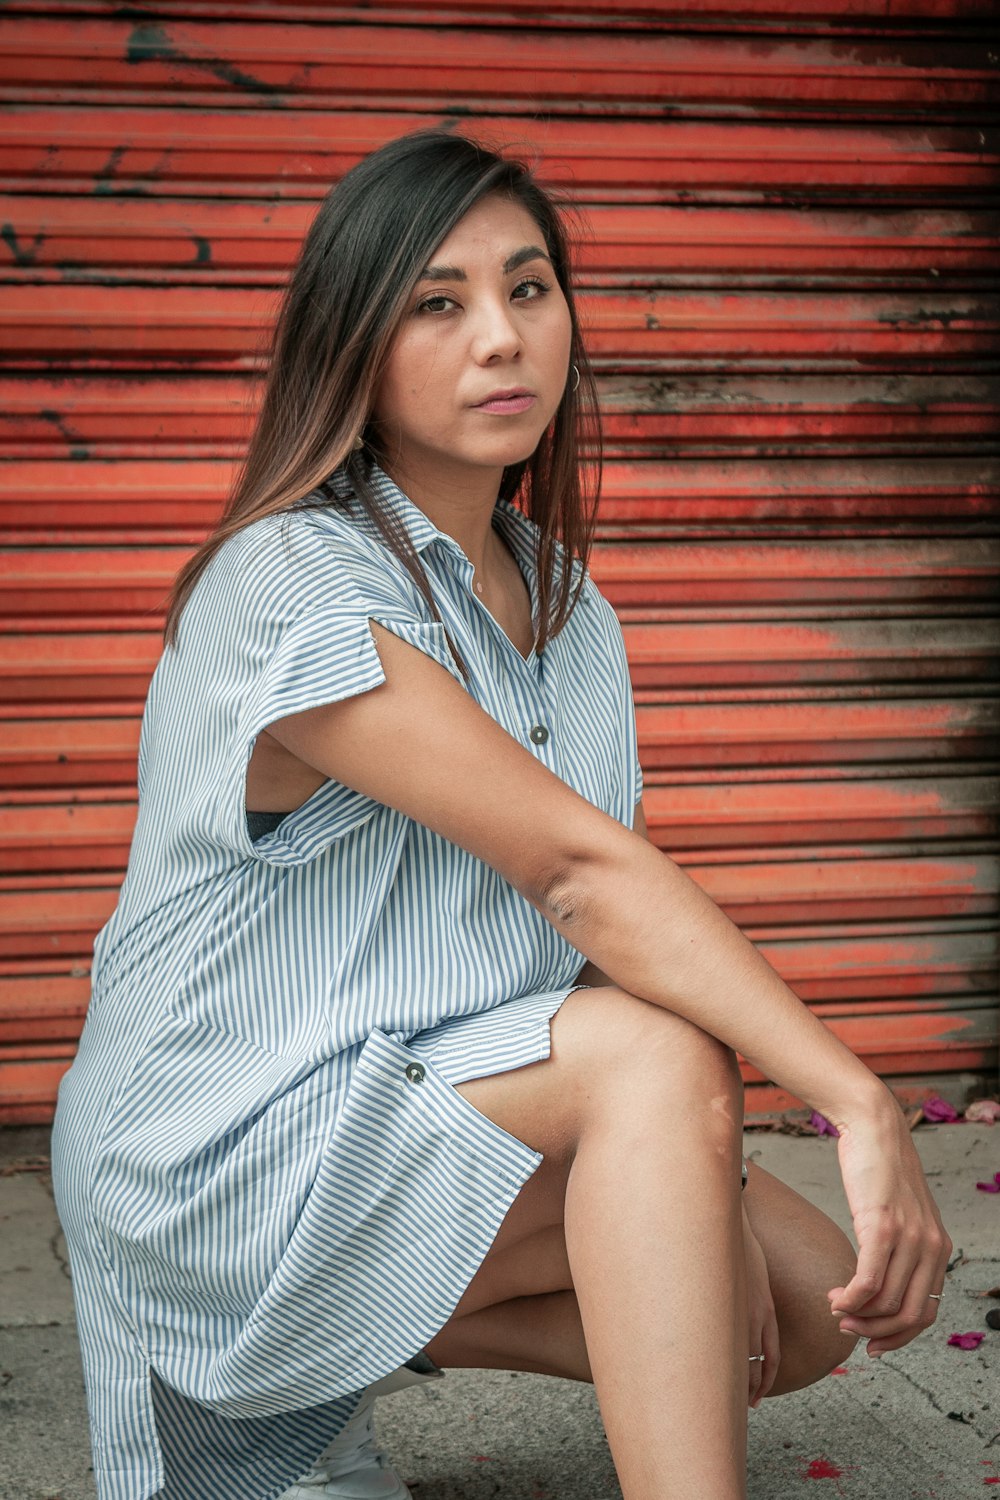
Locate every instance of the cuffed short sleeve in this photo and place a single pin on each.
(283, 627)
(324, 659)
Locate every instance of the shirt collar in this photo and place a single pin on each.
(418, 525)
(520, 532)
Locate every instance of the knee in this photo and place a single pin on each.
(677, 1050)
(813, 1359)
(642, 1052)
(812, 1344)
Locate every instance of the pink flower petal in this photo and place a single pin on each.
(966, 1340)
(990, 1187)
(822, 1125)
(983, 1111)
(938, 1111)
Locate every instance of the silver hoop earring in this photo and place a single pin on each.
(576, 382)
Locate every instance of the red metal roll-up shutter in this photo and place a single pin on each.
(790, 291)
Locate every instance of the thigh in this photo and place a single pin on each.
(608, 1048)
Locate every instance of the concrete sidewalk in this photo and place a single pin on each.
(922, 1422)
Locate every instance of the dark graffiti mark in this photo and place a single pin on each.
(149, 42)
(203, 256)
(229, 73)
(24, 255)
(104, 175)
(130, 190)
(58, 421)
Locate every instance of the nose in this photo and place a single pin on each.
(495, 334)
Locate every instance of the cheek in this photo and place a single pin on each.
(558, 337)
(414, 375)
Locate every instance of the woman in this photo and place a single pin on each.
(347, 1108)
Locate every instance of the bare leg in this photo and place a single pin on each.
(655, 1247)
(538, 1329)
(542, 1334)
(649, 1110)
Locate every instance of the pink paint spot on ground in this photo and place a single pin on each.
(822, 1468)
(840, 1370)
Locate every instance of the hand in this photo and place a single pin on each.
(763, 1324)
(903, 1249)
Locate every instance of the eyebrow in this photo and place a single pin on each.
(455, 273)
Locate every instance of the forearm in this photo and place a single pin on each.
(648, 927)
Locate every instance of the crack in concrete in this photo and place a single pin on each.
(61, 1260)
(923, 1391)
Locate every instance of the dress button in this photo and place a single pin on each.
(415, 1072)
(538, 734)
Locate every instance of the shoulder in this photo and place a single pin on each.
(283, 549)
(299, 562)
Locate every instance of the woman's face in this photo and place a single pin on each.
(487, 316)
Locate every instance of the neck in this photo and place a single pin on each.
(459, 501)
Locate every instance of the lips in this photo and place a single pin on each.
(508, 395)
(507, 403)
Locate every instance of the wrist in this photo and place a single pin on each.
(870, 1103)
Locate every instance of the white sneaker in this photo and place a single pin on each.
(354, 1467)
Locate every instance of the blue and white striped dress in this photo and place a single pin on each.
(272, 1191)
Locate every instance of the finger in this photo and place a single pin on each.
(903, 1270)
(919, 1309)
(886, 1345)
(754, 1377)
(866, 1283)
(771, 1349)
(909, 1322)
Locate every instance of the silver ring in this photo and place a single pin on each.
(936, 1295)
(757, 1356)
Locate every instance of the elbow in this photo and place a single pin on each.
(578, 877)
(557, 901)
(562, 897)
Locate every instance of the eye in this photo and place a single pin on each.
(539, 288)
(428, 304)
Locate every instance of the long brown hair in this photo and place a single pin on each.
(360, 260)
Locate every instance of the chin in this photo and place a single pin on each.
(502, 455)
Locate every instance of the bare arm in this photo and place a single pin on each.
(590, 973)
(647, 926)
(421, 744)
